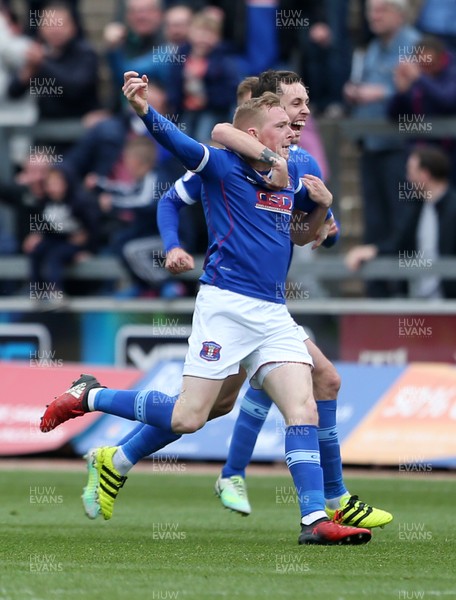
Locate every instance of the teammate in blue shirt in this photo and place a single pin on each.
(230, 486)
(240, 319)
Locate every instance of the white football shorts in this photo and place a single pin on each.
(229, 330)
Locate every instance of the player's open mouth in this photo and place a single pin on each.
(298, 125)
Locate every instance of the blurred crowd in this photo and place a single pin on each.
(66, 198)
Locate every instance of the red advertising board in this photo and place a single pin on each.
(398, 339)
(25, 392)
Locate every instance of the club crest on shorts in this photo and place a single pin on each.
(210, 351)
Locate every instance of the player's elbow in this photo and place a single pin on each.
(299, 239)
(299, 242)
(220, 132)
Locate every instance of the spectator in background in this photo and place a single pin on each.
(426, 84)
(428, 231)
(38, 10)
(99, 150)
(63, 230)
(132, 207)
(295, 17)
(22, 196)
(202, 88)
(61, 71)
(23, 193)
(176, 24)
(14, 50)
(255, 25)
(138, 45)
(438, 17)
(176, 27)
(338, 56)
(8, 245)
(314, 37)
(426, 87)
(382, 159)
(244, 26)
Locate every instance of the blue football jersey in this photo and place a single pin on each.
(189, 186)
(305, 162)
(248, 224)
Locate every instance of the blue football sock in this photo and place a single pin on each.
(303, 459)
(148, 439)
(148, 406)
(131, 434)
(254, 409)
(331, 461)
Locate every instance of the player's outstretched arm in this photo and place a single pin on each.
(168, 212)
(191, 153)
(250, 148)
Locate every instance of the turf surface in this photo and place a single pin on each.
(171, 539)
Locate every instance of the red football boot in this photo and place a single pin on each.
(70, 404)
(328, 533)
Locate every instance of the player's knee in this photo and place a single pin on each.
(304, 414)
(187, 423)
(333, 382)
(311, 412)
(326, 382)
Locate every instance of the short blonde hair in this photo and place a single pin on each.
(252, 112)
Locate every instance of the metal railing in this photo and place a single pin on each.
(334, 307)
(334, 132)
(13, 119)
(323, 268)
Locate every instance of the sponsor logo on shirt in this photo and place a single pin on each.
(274, 202)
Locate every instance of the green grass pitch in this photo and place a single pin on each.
(171, 539)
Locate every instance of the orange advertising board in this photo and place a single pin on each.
(414, 421)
